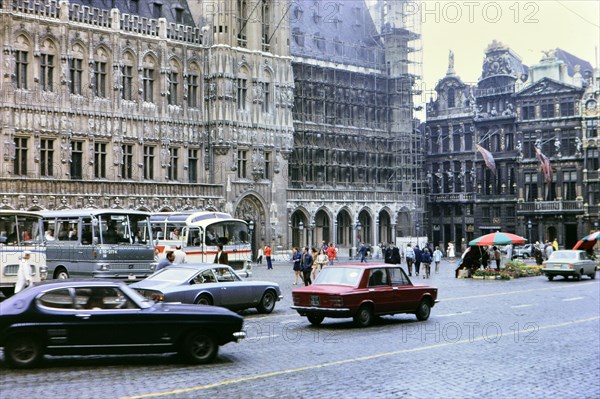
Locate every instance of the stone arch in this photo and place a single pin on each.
(344, 228)
(367, 227)
(385, 229)
(251, 208)
(404, 223)
(323, 226)
(299, 222)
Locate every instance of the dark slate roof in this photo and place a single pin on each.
(145, 8)
(341, 32)
(572, 60)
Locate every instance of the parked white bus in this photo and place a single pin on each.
(20, 231)
(105, 243)
(198, 233)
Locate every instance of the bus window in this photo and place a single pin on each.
(192, 237)
(87, 235)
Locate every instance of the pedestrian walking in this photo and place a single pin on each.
(363, 253)
(437, 257)
(24, 277)
(409, 254)
(418, 253)
(221, 256)
(426, 260)
(297, 264)
(268, 252)
(320, 261)
(451, 251)
(180, 256)
(307, 263)
(259, 256)
(167, 261)
(331, 253)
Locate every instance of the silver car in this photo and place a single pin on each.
(569, 263)
(209, 284)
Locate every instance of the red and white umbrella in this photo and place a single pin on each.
(588, 242)
(498, 238)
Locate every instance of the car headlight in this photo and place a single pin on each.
(157, 297)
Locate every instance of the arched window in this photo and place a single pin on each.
(242, 6)
(173, 86)
(76, 75)
(451, 97)
(100, 78)
(22, 60)
(127, 71)
(193, 85)
(48, 63)
(148, 78)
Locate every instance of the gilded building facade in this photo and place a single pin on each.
(151, 105)
(520, 115)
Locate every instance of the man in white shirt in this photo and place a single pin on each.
(24, 278)
(179, 255)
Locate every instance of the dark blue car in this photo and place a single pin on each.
(69, 317)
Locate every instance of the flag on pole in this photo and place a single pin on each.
(546, 167)
(488, 158)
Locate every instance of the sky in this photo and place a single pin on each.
(527, 27)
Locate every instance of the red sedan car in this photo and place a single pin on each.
(362, 292)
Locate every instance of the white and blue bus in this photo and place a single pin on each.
(199, 233)
(104, 243)
(20, 231)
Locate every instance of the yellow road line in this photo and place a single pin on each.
(335, 363)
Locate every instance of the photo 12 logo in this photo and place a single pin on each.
(453, 332)
(471, 11)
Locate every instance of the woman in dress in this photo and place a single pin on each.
(296, 258)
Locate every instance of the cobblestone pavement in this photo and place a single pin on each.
(524, 338)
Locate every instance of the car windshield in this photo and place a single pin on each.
(563, 255)
(334, 275)
(173, 274)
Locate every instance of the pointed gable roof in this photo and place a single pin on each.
(548, 86)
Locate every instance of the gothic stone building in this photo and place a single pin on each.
(150, 105)
(512, 111)
(355, 169)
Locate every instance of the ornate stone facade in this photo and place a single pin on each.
(143, 109)
(513, 112)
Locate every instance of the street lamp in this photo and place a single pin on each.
(251, 228)
(358, 237)
(418, 227)
(529, 226)
(301, 229)
(596, 225)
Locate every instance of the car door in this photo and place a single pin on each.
(379, 290)
(234, 291)
(405, 296)
(108, 318)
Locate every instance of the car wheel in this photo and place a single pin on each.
(550, 277)
(23, 352)
(423, 311)
(61, 273)
(199, 348)
(364, 317)
(315, 320)
(593, 275)
(267, 302)
(204, 299)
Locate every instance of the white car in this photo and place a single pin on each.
(523, 251)
(569, 263)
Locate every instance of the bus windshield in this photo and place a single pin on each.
(227, 233)
(19, 229)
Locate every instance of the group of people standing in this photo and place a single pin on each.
(415, 257)
(542, 251)
(310, 261)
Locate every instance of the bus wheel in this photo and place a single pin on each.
(61, 273)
